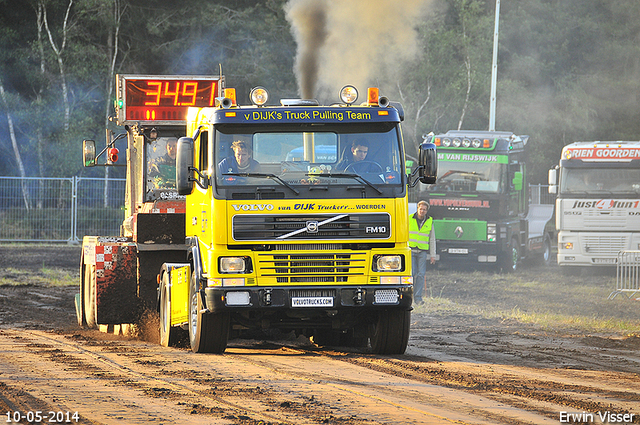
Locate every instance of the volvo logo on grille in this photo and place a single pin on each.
(312, 226)
(458, 232)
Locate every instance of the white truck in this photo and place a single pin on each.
(598, 202)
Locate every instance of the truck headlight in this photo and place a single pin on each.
(233, 265)
(566, 245)
(491, 232)
(388, 263)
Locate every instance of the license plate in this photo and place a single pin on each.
(312, 302)
(604, 260)
(458, 251)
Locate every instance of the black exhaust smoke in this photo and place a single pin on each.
(360, 42)
(308, 19)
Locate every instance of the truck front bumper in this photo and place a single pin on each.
(467, 252)
(219, 299)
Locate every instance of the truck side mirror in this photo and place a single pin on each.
(427, 163)
(553, 181)
(184, 165)
(89, 153)
(517, 181)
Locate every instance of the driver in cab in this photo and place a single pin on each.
(162, 170)
(355, 161)
(241, 161)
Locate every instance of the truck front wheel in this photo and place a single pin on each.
(509, 258)
(391, 332)
(208, 332)
(546, 250)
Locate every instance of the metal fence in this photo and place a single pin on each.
(539, 194)
(59, 209)
(627, 274)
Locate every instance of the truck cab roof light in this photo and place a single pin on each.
(486, 143)
(348, 94)
(231, 94)
(259, 96)
(373, 95)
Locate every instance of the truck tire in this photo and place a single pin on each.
(90, 296)
(168, 335)
(208, 332)
(391, 332)
(509, 258)
(546, 250)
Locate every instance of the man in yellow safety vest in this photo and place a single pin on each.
(422, 241)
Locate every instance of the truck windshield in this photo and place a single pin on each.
(454, 176)
(161, 163)
(315, 157)
(599, 181)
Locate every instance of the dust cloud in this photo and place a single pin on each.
(358, 42)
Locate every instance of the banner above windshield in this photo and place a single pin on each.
(304, 115)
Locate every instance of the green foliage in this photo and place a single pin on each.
(567, 70)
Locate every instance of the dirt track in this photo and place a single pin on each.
(459, 368)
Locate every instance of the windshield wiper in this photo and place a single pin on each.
(353, 176)
(265, 176)
(465, 174)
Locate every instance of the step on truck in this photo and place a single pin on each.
(482, 215)
(598, 202)
(286, 230)
(118, 273)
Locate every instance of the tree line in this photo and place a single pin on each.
(567, 70)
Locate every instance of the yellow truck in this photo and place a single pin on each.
(296, 219)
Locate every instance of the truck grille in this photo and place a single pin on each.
(310, 227)
(311, 267)
(604, 244)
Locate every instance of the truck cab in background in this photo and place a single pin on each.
(598, 202)
(480, 202)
